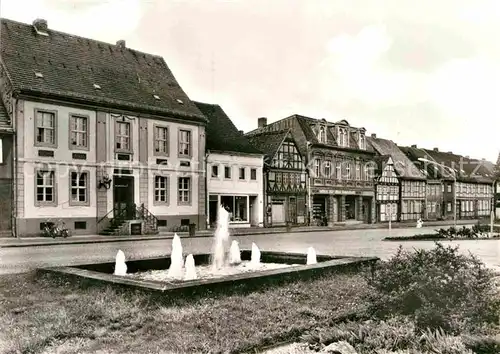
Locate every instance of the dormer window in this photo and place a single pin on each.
(322, 135)
(342, 137)
(362, 143)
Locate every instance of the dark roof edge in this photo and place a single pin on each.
(228, 152)
(107, 103)
(343, 148)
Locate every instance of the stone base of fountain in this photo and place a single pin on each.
(274, 268)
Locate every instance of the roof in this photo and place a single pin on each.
(72, 65)
(222, 134)
(269, 142)
(403, 166)
(310, 126)
(466, 169)
(430, 170)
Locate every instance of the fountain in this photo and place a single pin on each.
(255, 257)
(190, 268)
(227, 266)
(311, 256)
(176, 260)
(234, 253)
(221, 239)
(120, 266)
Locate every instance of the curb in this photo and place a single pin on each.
(264, 231)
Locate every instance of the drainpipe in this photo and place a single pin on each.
(207, 196)
(308, 170)
(14, 165)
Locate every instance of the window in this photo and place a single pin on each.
(45, 187)
(185, 143)
(358, 171)
(342, 137)
(227, 172)
(80, 225)
(449, 188)
(339, 170)
(79, 188)
(215, 171)
(242, 173)
(122, 141)
(253, 174)
(448, 207)
(161, 141)
(237, 207)
(161, 189)
(184, 190)
(322, 135)
(361, 141)
(328, 169)
(317, 168)
(79, 133)
(348, 170)
(45, 123)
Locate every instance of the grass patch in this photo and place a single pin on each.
(46, 314)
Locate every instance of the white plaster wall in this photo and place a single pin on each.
(173, 155)
(63, 151)
(235, 186)
(173, 207)
(63, 209)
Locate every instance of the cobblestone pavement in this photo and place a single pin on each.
(348, 243)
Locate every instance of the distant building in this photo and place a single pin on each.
(340, 183)
(103, 133)
(435, 206)
(412, 182)
(471, 181)
(234, 171)
(285, 178)
(387, 190)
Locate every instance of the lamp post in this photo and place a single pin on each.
(309, 196)
(454, 187)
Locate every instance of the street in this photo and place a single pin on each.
(342, 243)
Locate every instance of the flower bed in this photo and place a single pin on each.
(476, 232)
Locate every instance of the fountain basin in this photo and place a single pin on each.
(294, 268)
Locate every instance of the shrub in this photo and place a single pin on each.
(437, 288)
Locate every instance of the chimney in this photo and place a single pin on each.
(374, 136)
(262, 122)
(241, 132)
(467, 156)
(414, 146)
(120, 43)
(449, 152)
(40, 26)
(436, 149)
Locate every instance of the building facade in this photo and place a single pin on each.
(340, 168)
(412, 182)
(285, 178)
(469, 181)
(234, 171)
(96, 141)
(386, 190)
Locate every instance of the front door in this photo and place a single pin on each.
(123, 196)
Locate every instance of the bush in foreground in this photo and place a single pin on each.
(437, 288)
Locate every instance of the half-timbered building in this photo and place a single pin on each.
(6, 169)
(340, 168)
(386, 190)
(412, 182)
(285, 178)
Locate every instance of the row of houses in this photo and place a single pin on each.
(92, 133)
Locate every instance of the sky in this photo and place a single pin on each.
(421, 72)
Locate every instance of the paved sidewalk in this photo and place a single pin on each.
(41, 241)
